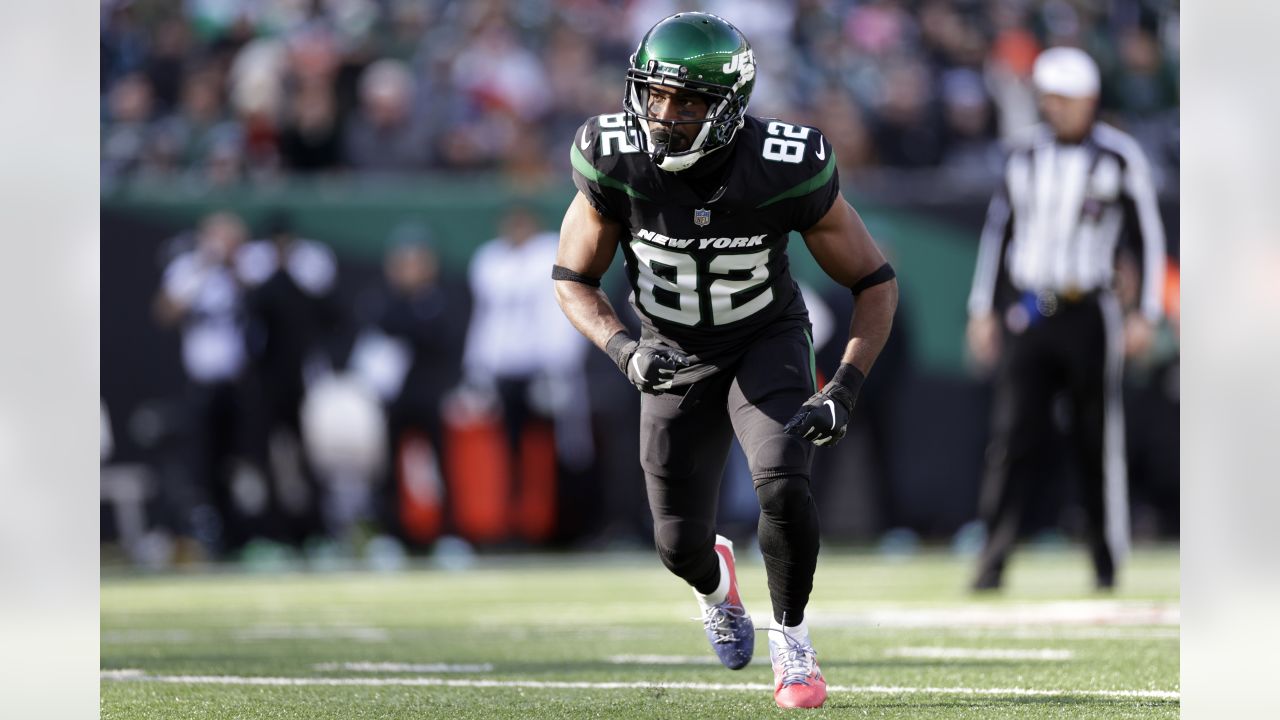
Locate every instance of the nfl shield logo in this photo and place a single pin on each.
(702, 218)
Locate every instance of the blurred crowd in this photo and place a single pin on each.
(224, 91)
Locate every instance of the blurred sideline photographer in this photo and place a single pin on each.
(1043, 312)
(202, 295)
(291, 307)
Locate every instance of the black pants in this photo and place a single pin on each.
(1077, 350)
(684, 441)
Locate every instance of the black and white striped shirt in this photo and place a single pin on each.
(1056, 220)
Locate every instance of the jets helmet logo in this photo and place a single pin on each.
(702, 218)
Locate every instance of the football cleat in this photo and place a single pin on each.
(728, 626)
(797, 681)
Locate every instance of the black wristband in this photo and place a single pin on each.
(882, 274)
(620, 348)
(850, 378)
(560, 272)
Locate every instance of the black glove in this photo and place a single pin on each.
(824, 417)
(649, 368)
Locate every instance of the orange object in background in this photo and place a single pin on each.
(1172, 291)
(535, 503)
(486, 501)
(419, 486)
(478, 477)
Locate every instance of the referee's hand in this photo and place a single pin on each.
(983, 335)
(1139, 335)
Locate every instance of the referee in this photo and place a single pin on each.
(1043, 313)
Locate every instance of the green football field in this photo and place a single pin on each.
(610, 636)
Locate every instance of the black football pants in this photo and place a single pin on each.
(1077, 350)
(684, 441)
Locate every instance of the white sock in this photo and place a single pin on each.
(799, 632)
(721, 592)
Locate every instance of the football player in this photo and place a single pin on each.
(701, 198)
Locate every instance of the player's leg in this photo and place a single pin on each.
(1026, 379)
(773, 379)
(1098, 435)
(684, 440)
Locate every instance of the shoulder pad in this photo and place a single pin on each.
(602, 140)
(790, 149)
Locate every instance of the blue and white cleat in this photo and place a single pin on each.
(728, 625)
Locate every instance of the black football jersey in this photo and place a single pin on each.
(706, 257)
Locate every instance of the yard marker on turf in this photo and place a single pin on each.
(953, 653)
(135, 676)
(404, 667)
(662, 660)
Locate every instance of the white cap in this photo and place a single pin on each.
(1066, 71)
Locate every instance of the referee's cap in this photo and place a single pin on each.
(1066, 71)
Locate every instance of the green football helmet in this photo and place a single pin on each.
(695, 52)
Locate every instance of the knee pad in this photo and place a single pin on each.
(784, 497)
(780, 455)
(684, 546)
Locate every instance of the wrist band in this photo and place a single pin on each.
(850, 377)
(620, 348)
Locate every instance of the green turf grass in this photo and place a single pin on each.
(560, 619)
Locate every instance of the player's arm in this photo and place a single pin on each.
(845, 251)
(588, 241)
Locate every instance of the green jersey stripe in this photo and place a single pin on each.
(582, 165)
(813, 361)
(805, 187)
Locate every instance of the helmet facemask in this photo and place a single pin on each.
(725, 111)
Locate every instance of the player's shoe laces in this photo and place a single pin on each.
(797, 681)
(728, 625)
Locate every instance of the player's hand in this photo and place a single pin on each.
(824, 417)
(651, 368)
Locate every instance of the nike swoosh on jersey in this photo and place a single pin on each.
(832, 407)
(586, 141)
(821, 152)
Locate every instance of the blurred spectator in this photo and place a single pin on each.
(968, 137)
(257, 99)
(425, 316)
(188, 138)
(519, 345)
(201, 295)
(908, 133)
(167, 60)
(291, 307)
(386, 136)
(311, 139)
(126, 131)
(124, 43)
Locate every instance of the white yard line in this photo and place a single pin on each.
(1077, 613)
(1073, 633)
(662, 660)
(139, 676)
(404, 667)
(954, 653)
(312, 632)
(141, 635)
